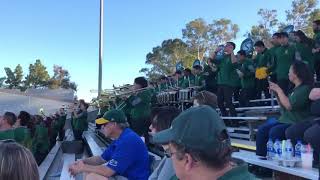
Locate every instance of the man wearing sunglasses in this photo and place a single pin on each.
(126, 156)
(199, 147)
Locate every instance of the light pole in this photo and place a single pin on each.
(100, 48)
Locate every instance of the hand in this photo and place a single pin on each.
(76, 168)
(219, 48)
(314, 94)
(274, 87)
(240, 73)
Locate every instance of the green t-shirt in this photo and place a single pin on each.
(7, 134)
(300, 104)
(22, 135)
(238, 173)
(272, 52)
(285, 55)
(227, 74)
(306, 55)
(188, 81)
(248, 70)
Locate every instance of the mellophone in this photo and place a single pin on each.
(177, 95)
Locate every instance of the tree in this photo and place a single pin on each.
(2, 79)
(202, 37)
(301, 13)
(18, 73)
(61, 78)
(222, 31)
(38, 75)
(10, 77)
(267, 25)
(196, 35)
(164, 58)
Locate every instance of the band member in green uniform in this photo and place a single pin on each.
(6, 125)
(316, 48)
(262, 60)
(246, 73)
(198, 76)
(138, 106)
(210, 76)
(272, 51)
(40, 143)
(227, 78)
(25, 129)
(188, 78)
(285, 55)
(303, 46)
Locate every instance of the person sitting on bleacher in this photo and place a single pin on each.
(6, 125)
(205, 98)
(127, 156)
(162, 118)
(200, 148)
(24, 129)
(295, 107)
(17, 162)
(311, 134)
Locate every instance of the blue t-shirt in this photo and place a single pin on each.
(128, 156)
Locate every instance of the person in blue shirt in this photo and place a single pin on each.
(126, 157)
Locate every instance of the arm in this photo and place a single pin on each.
(95, 160)
(282, 98)
(101, 170)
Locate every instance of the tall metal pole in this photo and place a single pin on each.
(100, 48)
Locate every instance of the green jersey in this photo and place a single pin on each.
(285, 55)
(248, 70)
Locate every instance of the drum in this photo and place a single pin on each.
(184, 95)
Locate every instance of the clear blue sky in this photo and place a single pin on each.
(65, 32)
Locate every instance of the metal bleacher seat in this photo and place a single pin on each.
(252, 158)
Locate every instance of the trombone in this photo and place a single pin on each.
(127, 95)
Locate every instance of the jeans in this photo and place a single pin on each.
(271, 129)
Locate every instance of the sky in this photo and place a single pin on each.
(66, 33)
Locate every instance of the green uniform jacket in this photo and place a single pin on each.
(316, 39)
(285, 55)
(272, 52)
(41, 140)
(81, 123)
(210, 77)
(7, 134)
(300, 104)
(188, 81)
(263, 59)
(22, 135)
(248, 70)
(306, 55)
(227, 74)
(199, 80)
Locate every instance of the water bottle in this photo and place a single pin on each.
(270, 151)
(289, 150)
(297, 150)
(277, 149)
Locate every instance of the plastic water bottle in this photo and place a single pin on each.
(297, 150)
(277, 149)
(270, 151)
(289, 150)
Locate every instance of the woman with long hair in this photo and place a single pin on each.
(294, 108)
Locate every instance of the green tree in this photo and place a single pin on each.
(163, 58)
(10, 78)
(18, 73)
(300, 14)
(267, 25)
(61, 78)
(2, 79)
(196, 34)
(222, 31)
(38, 75)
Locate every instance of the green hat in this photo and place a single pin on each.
(112, 116)
(196, 128)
